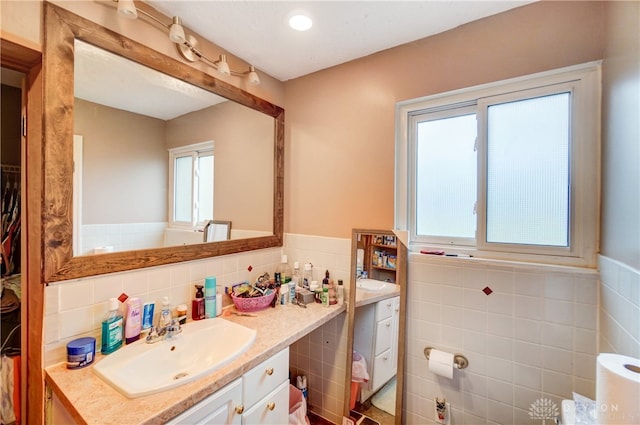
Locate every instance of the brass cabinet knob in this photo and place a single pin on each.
(239, 409)
(271, 406)
(269, 371)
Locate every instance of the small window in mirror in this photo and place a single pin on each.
(191, 179)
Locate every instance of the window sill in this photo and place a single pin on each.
(481, 262)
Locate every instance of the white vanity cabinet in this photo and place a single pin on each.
(218, 408)
(260, 396)
(376, 339)
(265, 391)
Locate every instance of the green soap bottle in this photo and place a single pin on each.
(112, 329)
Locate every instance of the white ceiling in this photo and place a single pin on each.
(257, 31)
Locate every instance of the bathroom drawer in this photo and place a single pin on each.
(384, 335)
(264, 378)
(384, 369)
(271, 410)
(218, 408)
(384, 309)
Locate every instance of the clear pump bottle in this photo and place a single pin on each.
(284, 269)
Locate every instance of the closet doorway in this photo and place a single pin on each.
(10, 243)
(21, 66)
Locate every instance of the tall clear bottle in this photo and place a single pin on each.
(284, 269)
(296, 282)
(307, 277)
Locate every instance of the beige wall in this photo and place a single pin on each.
(243, 149)
(340, 121)
(621, 134)
(125, 165)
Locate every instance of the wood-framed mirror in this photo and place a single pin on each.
(63, 29)
(376, 326)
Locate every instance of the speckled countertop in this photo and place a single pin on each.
(367, 297)
(90, 400)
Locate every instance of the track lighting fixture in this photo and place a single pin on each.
(127, 9)
(252, 76)
(186, 44)
(176, 32)
(223, 66)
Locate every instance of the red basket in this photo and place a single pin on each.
(253, 303)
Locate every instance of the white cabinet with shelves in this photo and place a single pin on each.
(376, 339)
(260, 396)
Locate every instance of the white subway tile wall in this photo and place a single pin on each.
(619, 308)
(122, 237)
(321, 355)
(76, 308)
(532, 337)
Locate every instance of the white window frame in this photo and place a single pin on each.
(584, 82)
(195, 150)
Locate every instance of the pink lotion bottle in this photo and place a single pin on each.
(133, 324)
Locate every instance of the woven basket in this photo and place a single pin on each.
(253, 303)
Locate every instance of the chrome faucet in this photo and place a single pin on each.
(165, 332)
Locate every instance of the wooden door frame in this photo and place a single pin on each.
(23, 56)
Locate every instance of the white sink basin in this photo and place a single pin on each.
(203, 346)
(372, 285)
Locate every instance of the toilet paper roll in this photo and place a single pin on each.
(617, 389)
(441, 363)
(103, 249)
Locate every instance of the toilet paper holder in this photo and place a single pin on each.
(460, 361)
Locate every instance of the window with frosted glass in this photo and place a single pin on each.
(183, 189)
(205, 188)
(446, 164)
(527, 200)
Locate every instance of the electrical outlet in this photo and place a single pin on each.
(442, 416)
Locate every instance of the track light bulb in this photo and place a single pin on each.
(253, 77)
(223, 66)
(127, 9)
(176, 32)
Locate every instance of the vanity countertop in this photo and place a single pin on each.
(367, 297)
(90, 400)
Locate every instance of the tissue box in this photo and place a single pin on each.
(304, 296)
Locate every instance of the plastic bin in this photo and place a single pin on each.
(359, 374)
(297, 407)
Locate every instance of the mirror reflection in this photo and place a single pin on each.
(379, 281)
(156, 159)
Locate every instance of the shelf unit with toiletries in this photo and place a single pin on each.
(381, 253)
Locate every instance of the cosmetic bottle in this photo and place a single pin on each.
(307, 276)
(133, 324)
(147, 318)
(197, 304)
(284, 269)
(165, 313)
(340, 292)
(296, 279)
(112, 329)
(210, 297)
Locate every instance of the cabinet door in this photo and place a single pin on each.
(384, 335)
(271, 410)
(219, 408)
(395, 325)
(383, 369)
(384, 309)
(265, 377)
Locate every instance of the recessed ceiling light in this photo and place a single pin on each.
(300, 22)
